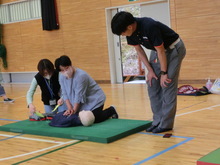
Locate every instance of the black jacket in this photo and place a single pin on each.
(54, 85)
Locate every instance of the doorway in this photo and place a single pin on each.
(124, 62)
(131, 64)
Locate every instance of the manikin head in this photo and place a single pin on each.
(87, 118)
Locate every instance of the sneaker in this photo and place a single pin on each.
(115, 114)
(9, 100)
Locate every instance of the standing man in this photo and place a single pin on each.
(163, 67)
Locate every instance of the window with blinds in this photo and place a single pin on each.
(20, 11)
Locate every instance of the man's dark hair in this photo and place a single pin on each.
(62, 61)
(47, 65)
(121, 21)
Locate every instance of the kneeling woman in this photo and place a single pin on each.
(48, 80)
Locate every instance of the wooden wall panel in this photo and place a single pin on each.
(194, 27)
(12, 41)
(10, 30)
(71, 7)
(82, 36)
(125, 2)
(195, 8)
(85, 38)
(27, 43)
(88, 51)
(202, 59)
(6, 1)
(92, 20)
(173, 14)
(199, 25)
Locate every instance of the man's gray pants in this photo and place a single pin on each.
(164, 100)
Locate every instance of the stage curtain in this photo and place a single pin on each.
(49, 15)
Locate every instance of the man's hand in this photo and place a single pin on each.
(150, 76)
(164, 80)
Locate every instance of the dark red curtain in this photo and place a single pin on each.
(49, 15)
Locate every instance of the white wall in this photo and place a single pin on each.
(18, 77)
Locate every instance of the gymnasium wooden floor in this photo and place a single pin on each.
(196, 132)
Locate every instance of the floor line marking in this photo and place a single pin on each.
(37, 93)
(9, 119)
(165, 150)
(47, 153)
(178, 144)
(34, 152)
(191, 105)
(34, 139)
(207, 108)
(22, 96)
(10, 137)
(155, 134)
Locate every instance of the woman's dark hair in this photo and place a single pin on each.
(47, 65)
(62, 61)
(121, 21)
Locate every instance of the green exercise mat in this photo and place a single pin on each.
(104, 132)
(213, 158)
